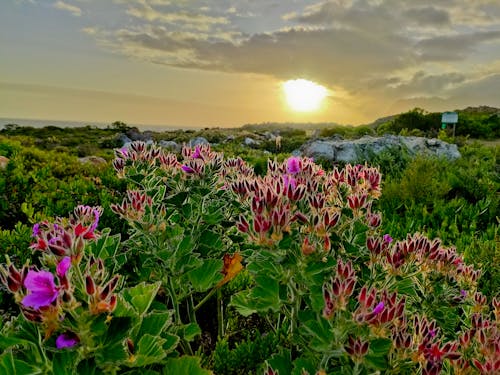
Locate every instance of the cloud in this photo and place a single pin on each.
(454, 47)
(73, 9)
(373, 51)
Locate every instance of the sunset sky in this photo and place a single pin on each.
(224, 62)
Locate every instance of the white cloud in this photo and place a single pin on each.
(73, 9)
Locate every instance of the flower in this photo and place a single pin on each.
(36, 230)
(232, 266)
(387, 238)
(293, 165)
(67, 340)
(42, 289)
(63, 266)
(187, 169)
(379, 308)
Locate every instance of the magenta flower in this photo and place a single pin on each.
(197, 154)
(293, 165)
(67, 340)
(187, 169)
(36, 230)
(63, 266)
(379, 308)
(42, 289)
(387, 238)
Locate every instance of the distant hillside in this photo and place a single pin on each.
(480, 110)
(270, 126)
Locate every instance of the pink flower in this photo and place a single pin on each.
(387, 238)
(63, 266)
(293, 165)
(187, 169)
(379, 308)
(67, 340)
(42, 289)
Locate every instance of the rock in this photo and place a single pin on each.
(250, 142)
(136, 135)
(3, 162)
(95, 160)
(123, 139)
(198, 141)
(170, 145)
(230, 138)
(349, 151)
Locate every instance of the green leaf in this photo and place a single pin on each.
(142, 295)
(10, 365)
(281, 362)
(155, 323)
(301, 364)
(149, 350)
(207, 275)
(190, 331)
(266, 294)
(170, 343)
(380, 347)
(65, 361)
(242, 303)
(177, 199)
(184, 365)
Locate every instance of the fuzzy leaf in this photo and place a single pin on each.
(185, 365)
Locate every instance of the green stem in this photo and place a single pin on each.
(205, 299)
(220, 313)
(191, 311)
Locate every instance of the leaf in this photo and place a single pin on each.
(190, 331)
(149, 350)
(177, 199)
(243, 304)
(155, 323)
(65, 361)
(281, 362)
(380, 347)
(266, 294)
(184, 365)
(10, 365)
(232, 266)
(142, 295)
(207, 275)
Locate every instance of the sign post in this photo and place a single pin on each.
(449, 118)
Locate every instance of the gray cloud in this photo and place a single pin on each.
(453, 47)
(428, 16)
(368, 49)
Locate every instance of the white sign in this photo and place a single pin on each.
(449, 118)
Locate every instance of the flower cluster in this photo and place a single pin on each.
(48, 297)
(298, 193)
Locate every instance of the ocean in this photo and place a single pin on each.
(75, 124)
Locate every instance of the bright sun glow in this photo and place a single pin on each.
(303, 95)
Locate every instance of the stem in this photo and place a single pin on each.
(220, 313)
(205, 299)
(191, 311)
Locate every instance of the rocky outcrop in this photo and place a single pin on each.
(198, 141)
(170, 145)
(349, 151)
(3, 162)
(95, 160)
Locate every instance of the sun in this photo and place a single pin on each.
(303, 95)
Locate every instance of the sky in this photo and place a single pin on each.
(223, 62)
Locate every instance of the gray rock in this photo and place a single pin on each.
(170, 145)
(349, 151)
(198, 141)
(3, 162)
(96, 160)
(123, 139)
(250, 142)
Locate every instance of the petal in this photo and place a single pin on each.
(40, 281)
(67, 340)
(63, 266)
(37, 300)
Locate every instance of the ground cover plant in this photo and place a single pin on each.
(290, 269)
